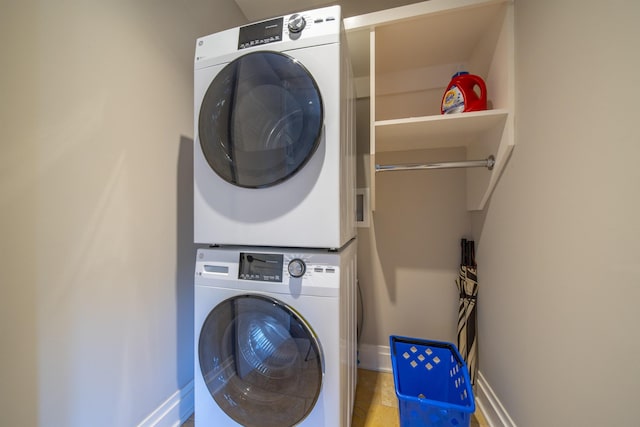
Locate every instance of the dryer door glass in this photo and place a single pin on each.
(261, 361)
(260, 120)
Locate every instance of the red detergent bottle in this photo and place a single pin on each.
(466, 92)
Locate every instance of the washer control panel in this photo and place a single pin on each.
(273, 267)
(297, 267)
(263, 267)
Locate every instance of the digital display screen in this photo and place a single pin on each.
(261, 267)
(260, 33)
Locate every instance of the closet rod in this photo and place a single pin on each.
(486, 163)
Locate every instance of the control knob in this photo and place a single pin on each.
(296, 23)
(297, 267)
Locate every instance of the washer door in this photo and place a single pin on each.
(260, 120)
(261, 361)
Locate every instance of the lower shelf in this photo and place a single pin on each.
(451, 130)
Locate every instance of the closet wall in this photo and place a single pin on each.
(408, 257)
(560, 239)
(557, 243)
(410, 254)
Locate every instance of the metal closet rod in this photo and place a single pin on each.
(485, 163)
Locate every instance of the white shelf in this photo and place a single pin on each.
(406, 56)
(452, 130)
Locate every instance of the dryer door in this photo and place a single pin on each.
(260, 119)
(261, 361)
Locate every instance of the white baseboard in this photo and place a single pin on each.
(490, 406)
(174, 411)
(378, 358)
(374, 357)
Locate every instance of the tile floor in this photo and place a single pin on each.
(376, 403)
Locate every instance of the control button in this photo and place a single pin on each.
(297, 267)
(318, 269)
(331, 18)
(318, 21)
(330, 270)
(296, 23)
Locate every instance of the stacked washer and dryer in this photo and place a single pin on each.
(274, 200)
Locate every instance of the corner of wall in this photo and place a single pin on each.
(490, 406)
(374, 357)
(174, 411)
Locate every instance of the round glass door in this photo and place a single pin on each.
(260, 119)
(261, 362)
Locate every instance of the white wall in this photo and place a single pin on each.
(559, 243)
(97, 114)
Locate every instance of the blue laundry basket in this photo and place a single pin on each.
(432, 383)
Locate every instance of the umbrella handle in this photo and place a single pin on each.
(472, 254)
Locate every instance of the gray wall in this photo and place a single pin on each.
(96, 309)
(559, 243)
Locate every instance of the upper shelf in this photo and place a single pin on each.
(452, 32)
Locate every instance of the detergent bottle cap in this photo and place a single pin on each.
(459, 73)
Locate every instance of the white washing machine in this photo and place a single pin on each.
(275, 337)
(274, 155)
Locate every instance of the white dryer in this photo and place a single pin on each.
(274, 154)
(275, 337)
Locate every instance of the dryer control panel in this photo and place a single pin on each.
(314, 23)
(260, 33)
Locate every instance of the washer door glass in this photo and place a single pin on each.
(260, 120)
(260, 361)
